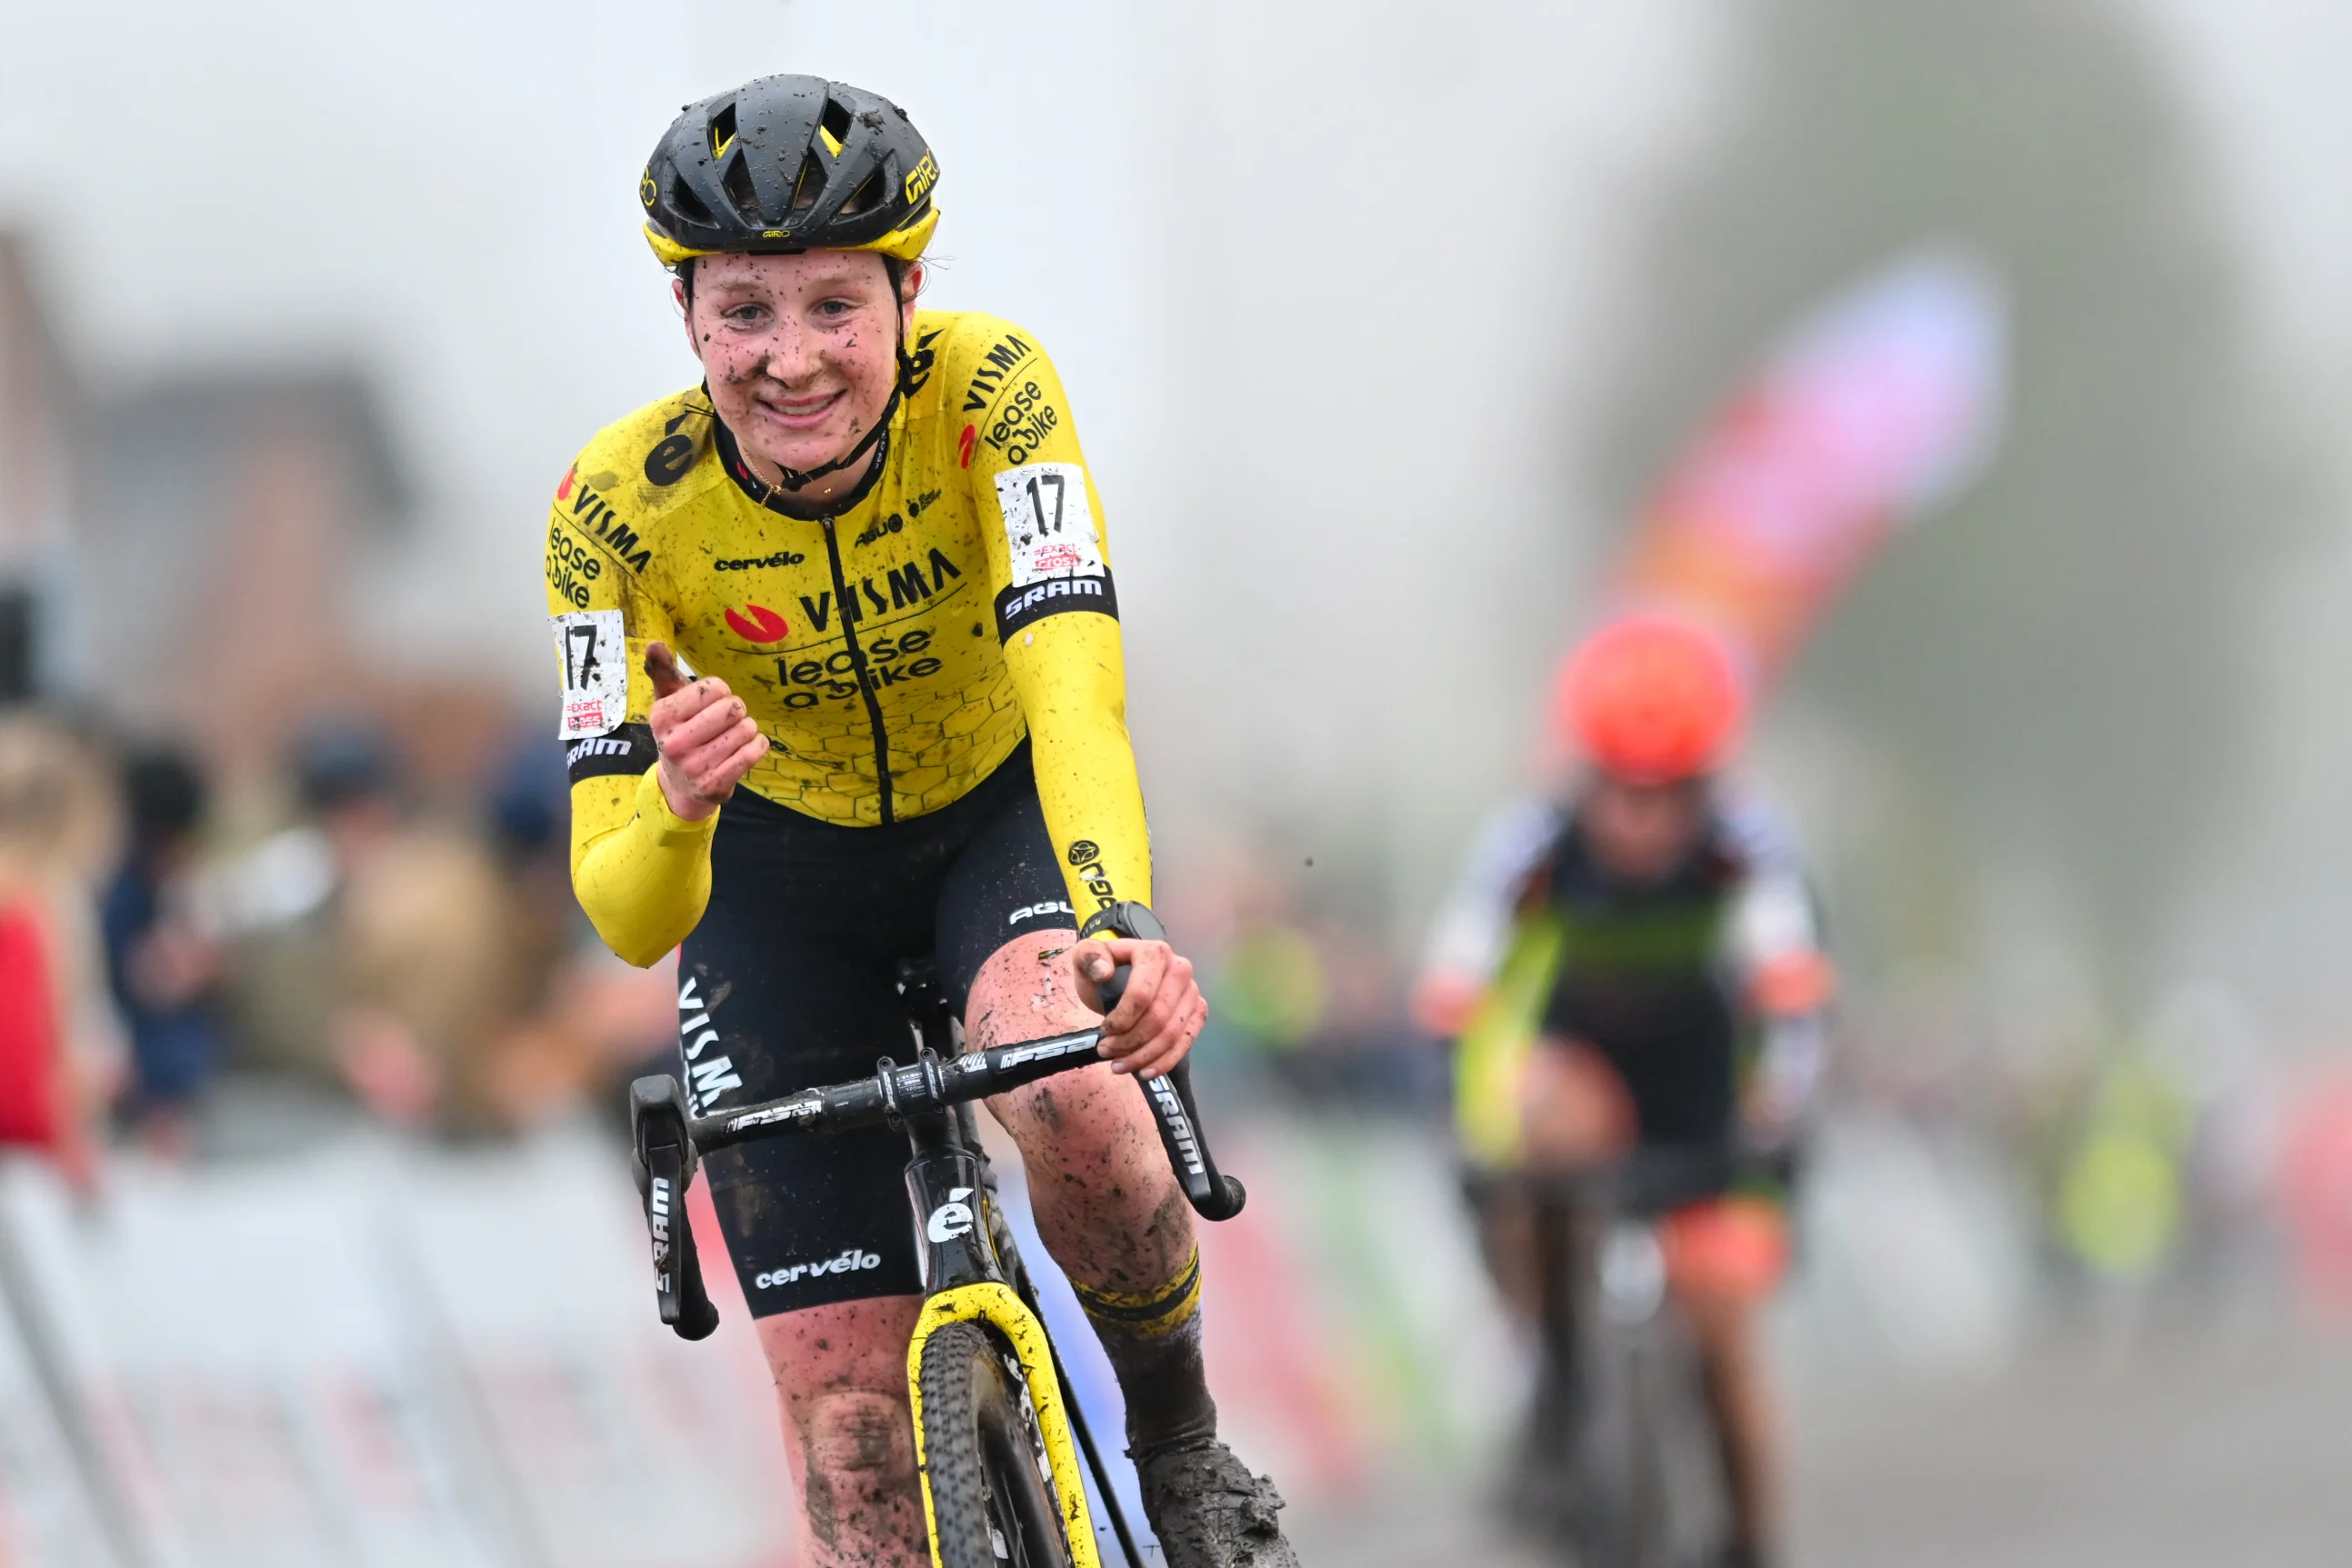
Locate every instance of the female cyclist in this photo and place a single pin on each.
(871, 536)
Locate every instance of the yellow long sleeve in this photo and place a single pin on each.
(1073, 686)
(641, 871)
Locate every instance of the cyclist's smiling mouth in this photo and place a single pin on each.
(800, 414)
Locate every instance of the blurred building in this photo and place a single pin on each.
(233, 515)
(37, 424)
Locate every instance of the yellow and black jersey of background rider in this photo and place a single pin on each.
(894, 653)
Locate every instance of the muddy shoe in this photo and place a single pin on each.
(1208, 1512)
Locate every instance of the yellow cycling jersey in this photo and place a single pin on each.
(894, 653)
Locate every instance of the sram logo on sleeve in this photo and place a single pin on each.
(1048, 522)
(594, 651)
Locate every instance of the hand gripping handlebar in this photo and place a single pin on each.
(668, 1140)
(1212, 1194)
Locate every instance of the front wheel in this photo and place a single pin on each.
(992, 1498)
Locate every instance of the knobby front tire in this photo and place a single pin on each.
(991, 1500)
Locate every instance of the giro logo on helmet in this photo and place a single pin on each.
(922, 177)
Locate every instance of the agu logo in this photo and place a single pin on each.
(759, 625)
(963, 450)
(563, 490)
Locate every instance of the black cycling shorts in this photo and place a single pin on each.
(791, 980)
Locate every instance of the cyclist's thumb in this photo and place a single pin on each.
(661, 668)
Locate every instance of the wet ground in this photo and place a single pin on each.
(2192, 1446)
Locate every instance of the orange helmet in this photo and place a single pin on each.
(1651, 700)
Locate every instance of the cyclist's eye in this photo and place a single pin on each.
(834, 309)
(745, 314)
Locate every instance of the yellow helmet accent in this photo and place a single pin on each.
(904, 244)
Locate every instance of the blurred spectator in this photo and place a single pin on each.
(440, 974)
(588, 1022)
(60, 1054)
(164, 967)
(370, 949)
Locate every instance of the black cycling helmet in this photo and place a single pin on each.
(790, 163)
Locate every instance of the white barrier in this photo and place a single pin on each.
(381, 1358)
(381, 1355)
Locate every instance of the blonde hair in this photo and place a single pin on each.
(59, 814)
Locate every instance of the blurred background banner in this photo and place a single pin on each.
(1876, 407)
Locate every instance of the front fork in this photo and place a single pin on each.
(964, 1280)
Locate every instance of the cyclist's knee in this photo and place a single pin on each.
(859, 1492)
(1026, 990)
(1724, 1327)
(1573, 1107)
(864, 1437)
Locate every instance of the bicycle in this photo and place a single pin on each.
(1620, 1459)
(998, 1442)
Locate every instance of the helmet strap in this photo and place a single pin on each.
(794, 478)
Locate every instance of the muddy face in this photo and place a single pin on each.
(800, 353)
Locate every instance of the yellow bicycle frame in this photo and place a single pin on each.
(993, 1302)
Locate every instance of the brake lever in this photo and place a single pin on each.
(1213, 1194)
(662, 1162)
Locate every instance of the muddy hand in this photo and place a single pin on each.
(1156, 1021)
(705, 736)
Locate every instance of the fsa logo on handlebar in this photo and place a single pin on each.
(1074, 1046)
(951, 1218)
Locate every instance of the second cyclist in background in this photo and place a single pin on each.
(1660, 984)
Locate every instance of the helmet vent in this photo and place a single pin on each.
(739, 189)
(810, 186)
(722, 132)
(835, 121)
(689, 206)
(867, 197)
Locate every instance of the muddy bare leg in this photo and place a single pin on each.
(840, 1387)
(1106, 1203)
